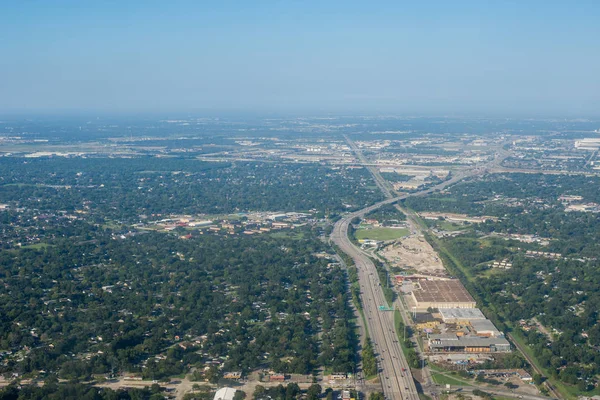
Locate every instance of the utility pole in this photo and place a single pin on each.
(387, 279)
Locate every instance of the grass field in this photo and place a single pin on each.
(398, 317)
(381, 233)
(450, 226)
(446, 380)
(445, 199)
(37, 246)
(491, 272)
(288, 235)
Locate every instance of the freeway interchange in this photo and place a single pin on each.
(394, 372)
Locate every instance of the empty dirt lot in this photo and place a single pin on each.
(416, 254)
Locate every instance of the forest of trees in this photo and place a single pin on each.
(369, 361)
(289, 392)
(51, 390)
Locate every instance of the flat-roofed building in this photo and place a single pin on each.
(588, 144)
(468, 344)
(225, 393)
(442, 294)
(524, 375)
(442, 336)
(276, 378)
(485, 327)
(339, 376)
(460, 315)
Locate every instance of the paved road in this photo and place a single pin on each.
(374, 169)
(395, 375)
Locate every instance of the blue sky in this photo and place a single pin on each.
(427, 57)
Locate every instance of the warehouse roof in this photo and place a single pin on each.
(225, 393)
(443, 336)
(484, 325)
(448, 291)
(468, 314)
(469, 342)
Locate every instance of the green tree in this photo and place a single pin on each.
(369, 362)
(239, 395)
(314, 392)
(376, 396)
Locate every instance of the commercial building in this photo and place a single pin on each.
(451, 217)
(588, 144)
(232, 375)
(442, 294)
(338, 376)
(225, 393)
(449, 343)
(276, 378)
(485, 327)
(462, 316)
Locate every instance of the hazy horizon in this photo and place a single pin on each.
(447, 59)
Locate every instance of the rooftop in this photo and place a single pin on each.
(443, 336)
(484, 325)
(461, 313)
(225, 393)
(449, 291)
(468, 342)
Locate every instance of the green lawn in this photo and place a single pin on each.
(287, 235)
(381, 233)
(492, 271)
(446, 380)
(445, 199)
(450, 226)
(37, 246)
(398, 317)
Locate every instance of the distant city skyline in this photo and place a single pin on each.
(465, 58)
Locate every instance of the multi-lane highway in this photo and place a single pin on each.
(394, 372)
(381, 183)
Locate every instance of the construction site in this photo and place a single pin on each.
(413, 255)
